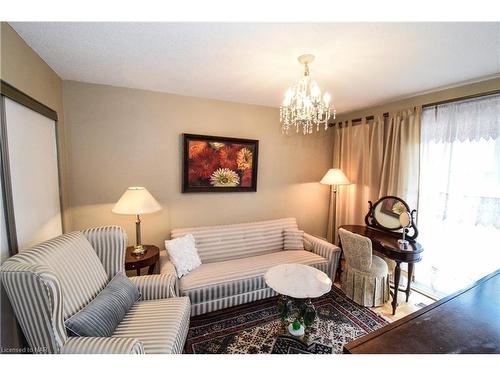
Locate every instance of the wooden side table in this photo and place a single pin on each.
(148, 259)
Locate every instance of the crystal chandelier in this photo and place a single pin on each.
(303, 105)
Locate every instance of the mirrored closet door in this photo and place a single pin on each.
(30, 174)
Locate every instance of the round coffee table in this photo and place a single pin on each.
(297, 284)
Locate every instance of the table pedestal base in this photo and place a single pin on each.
(293, 309)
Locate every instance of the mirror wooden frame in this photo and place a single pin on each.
(371, 221)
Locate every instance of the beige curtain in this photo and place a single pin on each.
(358, 151)
(401, 162)
(380, 158)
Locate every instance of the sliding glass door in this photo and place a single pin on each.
(459, 194)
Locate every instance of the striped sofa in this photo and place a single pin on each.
(235, 258)
(55, 279)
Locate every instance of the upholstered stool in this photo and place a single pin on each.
(365, 279)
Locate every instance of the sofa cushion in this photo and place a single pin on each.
(101, 316)
(212, 281)
(235, 241)
(294, 239)
(161, 325)
(183, 254)
(76, 265)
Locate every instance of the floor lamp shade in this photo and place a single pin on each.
(334, 177)
(137, 201)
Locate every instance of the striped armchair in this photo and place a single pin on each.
(55, 279)
(235, 258)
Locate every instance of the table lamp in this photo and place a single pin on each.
(136, 201)
(334, 177)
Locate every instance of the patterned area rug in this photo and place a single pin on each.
(256, 328)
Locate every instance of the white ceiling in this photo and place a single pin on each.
(360, 64)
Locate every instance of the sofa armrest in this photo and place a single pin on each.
(102, 345)
(154, 286)
(167, 268)
(325, 249)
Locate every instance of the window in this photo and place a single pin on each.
(459, 194)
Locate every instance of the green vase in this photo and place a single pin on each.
(309, 314)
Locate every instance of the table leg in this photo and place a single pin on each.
(151, 269)
(397, 275)
(410, 277)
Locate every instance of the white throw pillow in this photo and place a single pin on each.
(294, 239)
(183, 254)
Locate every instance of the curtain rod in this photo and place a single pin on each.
(369, 118)
(473, 96)
(356, 120)
(360, 119)
(386, 114)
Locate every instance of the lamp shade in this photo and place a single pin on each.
(136, 201)
(335, 176)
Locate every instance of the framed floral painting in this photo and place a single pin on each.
(392, 207)
(219, 164)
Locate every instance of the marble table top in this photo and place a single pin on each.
(298, 281)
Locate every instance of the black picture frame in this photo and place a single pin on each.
(191, 188)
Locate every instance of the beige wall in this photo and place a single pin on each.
(120, 137)
(25, 70)
(458, 91)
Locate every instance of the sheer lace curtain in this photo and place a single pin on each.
(459, 193)
(380, 158)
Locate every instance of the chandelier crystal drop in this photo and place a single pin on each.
(304, 106)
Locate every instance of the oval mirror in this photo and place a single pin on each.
(387, 212)
(392, 214)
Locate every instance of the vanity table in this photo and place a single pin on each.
(384, 229)
(387, 245)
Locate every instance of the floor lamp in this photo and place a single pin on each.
(334, 177)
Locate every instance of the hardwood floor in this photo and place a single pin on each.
(415, 302)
